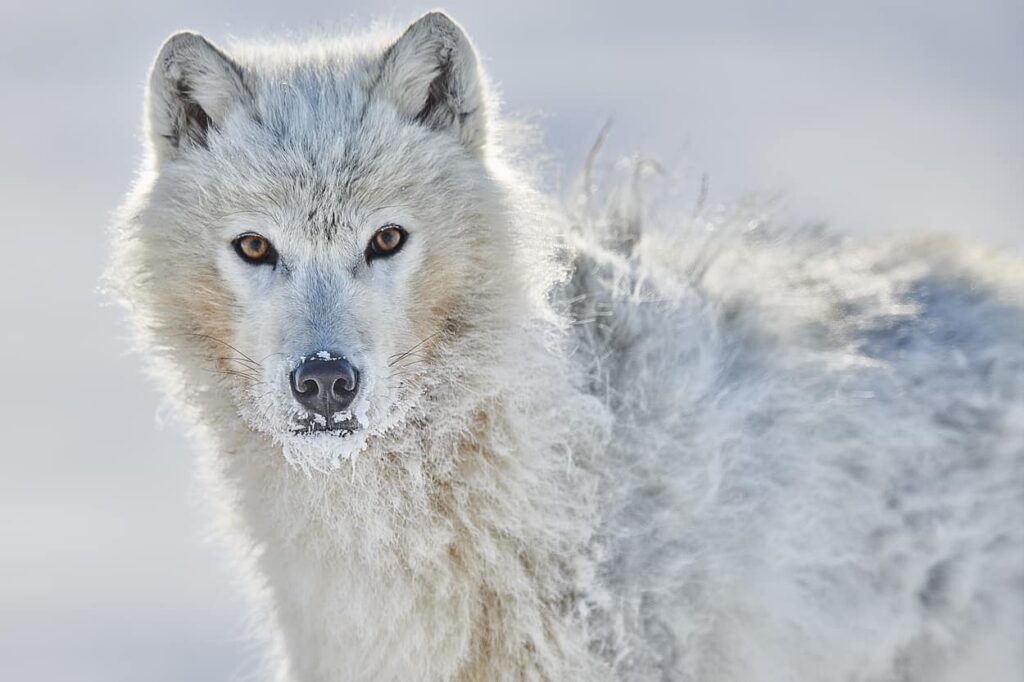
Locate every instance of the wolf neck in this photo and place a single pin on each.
(449, 551)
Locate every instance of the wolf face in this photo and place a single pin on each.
(330, 223)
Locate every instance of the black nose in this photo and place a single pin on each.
(325, 385)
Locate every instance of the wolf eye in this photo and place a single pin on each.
(387, 241)
(254, 249)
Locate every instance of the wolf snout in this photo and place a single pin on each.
(324, 384)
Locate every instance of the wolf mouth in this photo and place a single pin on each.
(342, 428)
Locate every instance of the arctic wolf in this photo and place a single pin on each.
(467, 435)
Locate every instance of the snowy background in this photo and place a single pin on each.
(873, 115)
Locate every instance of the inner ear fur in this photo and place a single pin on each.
(193, 87)
(432, 75)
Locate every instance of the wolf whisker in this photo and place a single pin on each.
(398, 356)
(222, 342)
(229, 372)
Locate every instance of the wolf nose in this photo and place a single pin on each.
(325, 385)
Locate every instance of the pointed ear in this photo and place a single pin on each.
(433, 76)
(193, 86)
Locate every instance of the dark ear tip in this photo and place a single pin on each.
(182, 40)
(186, 46)
(438, 21)
(437, 15)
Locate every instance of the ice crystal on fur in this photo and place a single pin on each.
(592, 443)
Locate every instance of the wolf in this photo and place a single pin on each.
(459, 430)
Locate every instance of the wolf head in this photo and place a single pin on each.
(321, 230)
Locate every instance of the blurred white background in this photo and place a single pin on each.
(874, 116)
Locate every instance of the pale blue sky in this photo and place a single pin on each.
(874, 116)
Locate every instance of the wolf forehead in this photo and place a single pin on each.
(369, 122)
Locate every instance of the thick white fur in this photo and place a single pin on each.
(630, 446)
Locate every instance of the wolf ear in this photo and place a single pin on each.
(192, 88)
(433, 76)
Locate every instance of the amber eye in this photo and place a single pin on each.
(387, 241)
(254, 249)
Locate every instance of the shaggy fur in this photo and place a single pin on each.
(593, 443)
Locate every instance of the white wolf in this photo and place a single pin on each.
(470, 437)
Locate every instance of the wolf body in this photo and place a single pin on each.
(587, 443)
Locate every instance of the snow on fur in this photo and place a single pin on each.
(620, 443)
